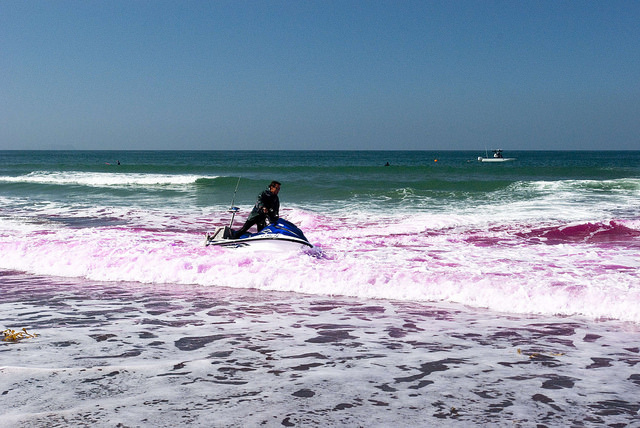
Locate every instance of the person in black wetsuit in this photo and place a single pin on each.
(267, 206)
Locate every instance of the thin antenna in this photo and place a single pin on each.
(233, 209)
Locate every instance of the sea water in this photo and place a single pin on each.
(440, 291)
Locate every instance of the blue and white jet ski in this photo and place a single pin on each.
(281, 235)
(278, 236)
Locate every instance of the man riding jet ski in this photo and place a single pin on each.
(267, 205)
(278, 234)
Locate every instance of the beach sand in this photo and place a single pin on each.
(129, 354)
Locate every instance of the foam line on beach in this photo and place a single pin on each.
(133, 354)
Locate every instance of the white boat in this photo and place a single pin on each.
(497, 157)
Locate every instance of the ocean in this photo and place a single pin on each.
(441, 291)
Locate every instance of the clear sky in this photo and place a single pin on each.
(399, 74)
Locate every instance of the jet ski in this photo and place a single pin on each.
(280, 235)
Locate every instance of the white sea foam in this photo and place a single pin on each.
(464, 259)
(105, 179)
(118, 354)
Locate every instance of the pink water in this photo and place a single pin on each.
(552, 268)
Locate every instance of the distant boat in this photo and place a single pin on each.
(497, 157)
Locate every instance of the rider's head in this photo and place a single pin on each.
(274, 187)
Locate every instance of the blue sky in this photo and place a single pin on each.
(371, 75)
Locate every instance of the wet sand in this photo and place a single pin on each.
(127, 354)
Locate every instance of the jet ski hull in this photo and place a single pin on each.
(283, 235)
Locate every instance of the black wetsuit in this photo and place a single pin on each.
(258, 217)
